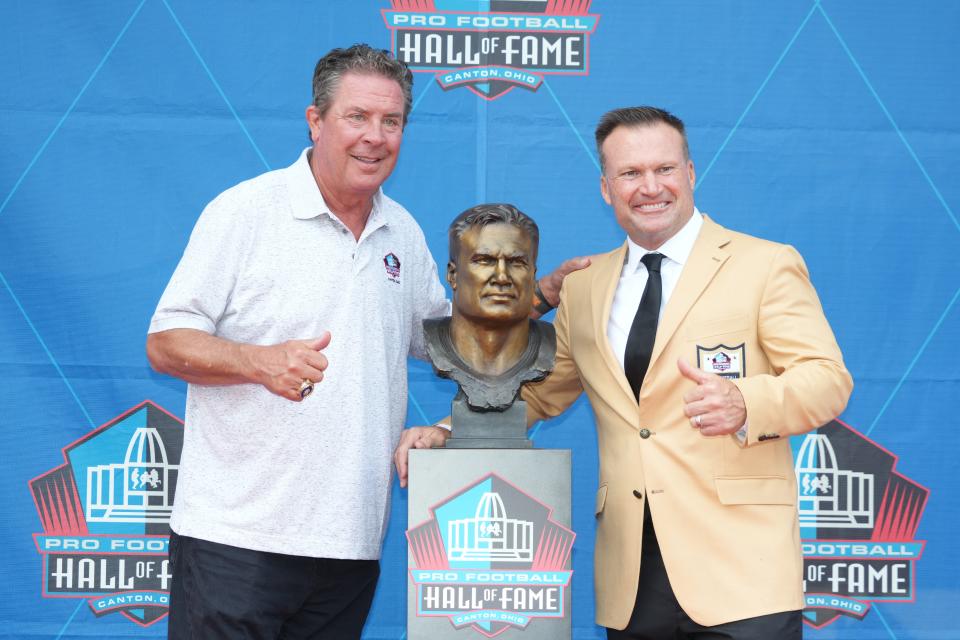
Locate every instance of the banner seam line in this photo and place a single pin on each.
(576, 132)
(756, 96)
(70, 619)
(63, 118)
(46, 350)
(913, 362)
(216, 84)
(889, 116)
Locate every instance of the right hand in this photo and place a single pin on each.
(416, 438)
(550, 284)
(281, 368)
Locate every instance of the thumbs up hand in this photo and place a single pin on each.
(715, 405)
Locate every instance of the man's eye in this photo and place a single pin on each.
(667, 170)
(391, 123)
(629, 175)
(356, 117)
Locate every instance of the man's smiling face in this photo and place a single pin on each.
(357, 141)
(648, 180)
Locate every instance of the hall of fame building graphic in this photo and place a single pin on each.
(858, 519)
(105, 515)
(492, 46)
(491, 559)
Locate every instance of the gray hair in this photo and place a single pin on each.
(484, 214)
(360, 58)
(637, 117)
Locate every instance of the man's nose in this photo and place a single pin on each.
(649, 184)
(500, 273)
(373, 134)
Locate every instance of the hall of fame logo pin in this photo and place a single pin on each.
(724, 361)
(391, 263)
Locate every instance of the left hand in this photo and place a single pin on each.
(716, 401)
(550, 283)
(416, 438)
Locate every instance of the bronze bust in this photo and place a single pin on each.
(489, 345)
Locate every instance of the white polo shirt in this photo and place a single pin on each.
(268, 262)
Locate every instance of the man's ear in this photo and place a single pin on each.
(314, 121)
(452, 275)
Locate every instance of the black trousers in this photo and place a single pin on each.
(219, 592)
(657, 614)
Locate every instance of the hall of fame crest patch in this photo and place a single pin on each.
(724, 361)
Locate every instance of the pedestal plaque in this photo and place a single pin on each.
(489, 544)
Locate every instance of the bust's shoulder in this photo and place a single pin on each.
(545, 335)
(433, 325)
(439, 349)
(544, 329)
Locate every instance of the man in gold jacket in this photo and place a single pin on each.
(699, 361)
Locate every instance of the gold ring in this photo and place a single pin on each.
(306, 388)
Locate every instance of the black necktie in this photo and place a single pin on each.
(643, 331)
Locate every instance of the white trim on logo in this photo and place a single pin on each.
(136, 490)
(490, 535)
(831, 497)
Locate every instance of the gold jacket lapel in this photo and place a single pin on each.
(705, 260)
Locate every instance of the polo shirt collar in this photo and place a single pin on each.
(307, 201)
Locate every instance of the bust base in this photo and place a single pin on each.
(488, 429)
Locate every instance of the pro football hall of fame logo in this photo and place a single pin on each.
(105, 515)
(492, 46)
(490, 559)
(858, 519)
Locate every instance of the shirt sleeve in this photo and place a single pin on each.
(198, 294)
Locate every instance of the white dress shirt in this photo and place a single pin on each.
(633, 279)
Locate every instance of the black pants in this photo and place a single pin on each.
(221, 592)
(657, 614)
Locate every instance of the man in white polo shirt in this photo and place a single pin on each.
(301, 275)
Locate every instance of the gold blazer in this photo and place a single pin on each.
(725, 511)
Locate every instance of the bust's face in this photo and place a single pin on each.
(493, 276)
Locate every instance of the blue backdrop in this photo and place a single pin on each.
(829, 125)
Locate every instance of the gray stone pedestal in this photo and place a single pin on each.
(489, 544)
(488, 430)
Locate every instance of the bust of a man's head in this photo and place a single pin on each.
(492, 268)
(489, 344)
